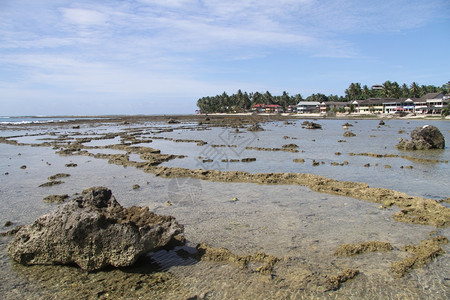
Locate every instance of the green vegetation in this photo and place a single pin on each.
(243, 101)
(446, 110)
(391, 90)
(240, 102)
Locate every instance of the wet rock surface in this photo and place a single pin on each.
(93, 231)
(423, 138)
(56, 198)
(255, 127)
(421, 255)
(349, 134)
(355, 249)
(311, 125)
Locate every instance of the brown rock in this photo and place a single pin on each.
(423, 138)
(93, 231)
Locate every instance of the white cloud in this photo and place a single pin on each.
(83, 17)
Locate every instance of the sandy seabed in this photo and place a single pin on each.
(249, 235)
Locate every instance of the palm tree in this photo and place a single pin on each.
(405, 91)
(365, 92)
(354, 91)
(414, 90)
(387, 89)
(395, 90)
(257, 97)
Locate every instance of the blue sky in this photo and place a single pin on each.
(160, 56)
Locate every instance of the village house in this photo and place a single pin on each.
(435, 102)
(274, 108)
(431, 103)
(391, 106)
(291, 109)
(330, 105)
(259, 108)
(420, 106)
(372, 105)
(308, 107)
(267, 108)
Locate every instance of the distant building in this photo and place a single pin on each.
(329, 105)
(267, 108)
(431, 103)
(259, 108)
(274, 108)
(308, 107)
(291, 109)
(371, 105)
(435, 102)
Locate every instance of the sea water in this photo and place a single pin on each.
(282, 220)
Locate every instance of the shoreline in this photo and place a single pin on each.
(275, 116)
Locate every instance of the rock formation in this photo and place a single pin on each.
(311, 125)
(349, 134)
(93, 231)
(423, 138)
(255, 127)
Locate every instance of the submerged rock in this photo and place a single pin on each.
(349, 134)
(292, 146)
(93, 231)
(311, 125)
(255, 127)
(355, 249)
(423, 138)
(56, 198)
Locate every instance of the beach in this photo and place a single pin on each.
(297, 195)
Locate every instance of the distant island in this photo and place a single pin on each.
(389, 97)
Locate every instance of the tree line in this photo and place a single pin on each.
(243, 101)
(392, 90)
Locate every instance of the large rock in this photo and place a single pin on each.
(311, 125)
(423, 138)
(255, 127)
(93, 231)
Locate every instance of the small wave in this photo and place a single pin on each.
(21, 122)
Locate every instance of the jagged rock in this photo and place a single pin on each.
(255, 127)
(93, 231)
(56, 198)
(290, 146)
(349, 134)
(423, 138)
(248, 159)
(311, 125)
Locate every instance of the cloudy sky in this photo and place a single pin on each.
(159, 56)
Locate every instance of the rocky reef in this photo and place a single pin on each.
(423, 138)
(93, 231)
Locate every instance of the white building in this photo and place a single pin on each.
(308, 107)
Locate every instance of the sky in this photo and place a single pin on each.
(103, 57)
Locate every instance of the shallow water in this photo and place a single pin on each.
(282, 220)
(426, 179)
